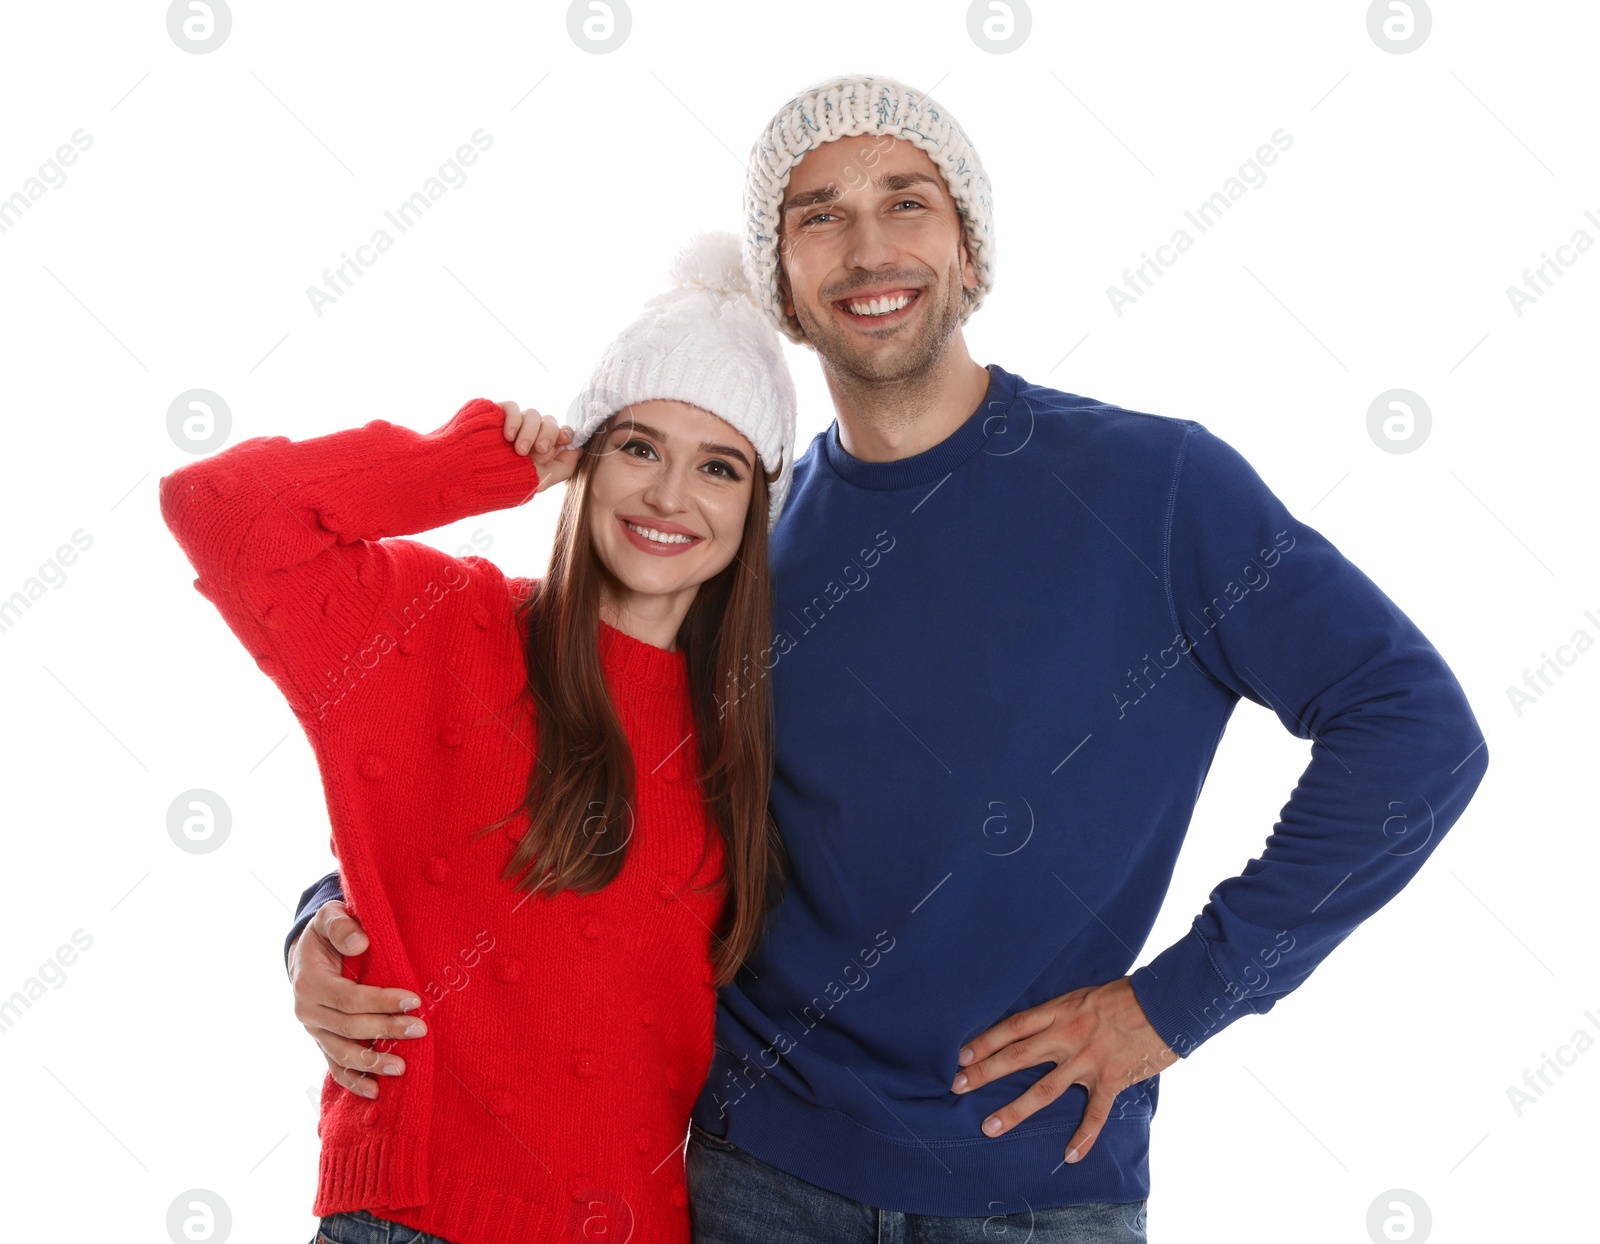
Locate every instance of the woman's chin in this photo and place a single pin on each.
(659, 577)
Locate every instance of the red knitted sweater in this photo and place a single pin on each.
(567, 1036)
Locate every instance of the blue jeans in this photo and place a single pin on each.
(361, 1227)
(735, 1198)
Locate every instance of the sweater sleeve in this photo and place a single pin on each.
(288, 537)
(1269, 608)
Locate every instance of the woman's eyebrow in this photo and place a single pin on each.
(706, 447)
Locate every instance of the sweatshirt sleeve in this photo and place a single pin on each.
(288, 537)
(1269, 608)
(326, 890)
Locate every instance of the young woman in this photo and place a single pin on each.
(548, 798)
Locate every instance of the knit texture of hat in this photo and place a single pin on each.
(703, 342)
(840, 108)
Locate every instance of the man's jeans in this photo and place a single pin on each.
(735, 1198)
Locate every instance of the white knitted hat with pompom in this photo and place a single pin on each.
(705, 342)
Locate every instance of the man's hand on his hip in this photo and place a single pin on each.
(340, 1014)
(1097, 1037)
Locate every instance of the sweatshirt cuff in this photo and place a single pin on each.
(323, 890)
(1185, 997)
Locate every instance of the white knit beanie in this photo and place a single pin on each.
(703, 342)
(840, 108)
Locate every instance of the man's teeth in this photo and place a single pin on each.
(660, 537)
(879, 306)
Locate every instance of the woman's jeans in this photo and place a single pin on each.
(735, 1198)
(361, 1227)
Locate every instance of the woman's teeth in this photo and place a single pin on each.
(879, 306)
(660, 537)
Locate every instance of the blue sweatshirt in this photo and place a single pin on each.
(1001, 669)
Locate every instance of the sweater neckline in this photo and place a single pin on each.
(939, 460)
(634, 661)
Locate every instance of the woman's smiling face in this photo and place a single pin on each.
(668, 497)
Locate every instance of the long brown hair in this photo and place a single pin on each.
(581, 809)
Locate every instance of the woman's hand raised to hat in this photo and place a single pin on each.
(540, 439)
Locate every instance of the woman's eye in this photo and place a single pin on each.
(728, 471)
(627, 445)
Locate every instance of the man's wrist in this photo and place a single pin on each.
(323, 890)
(1184, 997)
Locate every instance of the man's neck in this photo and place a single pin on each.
(884, 421)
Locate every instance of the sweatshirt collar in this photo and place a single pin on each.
(633, 662)
(938, 461)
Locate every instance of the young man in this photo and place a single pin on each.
(1012, 625)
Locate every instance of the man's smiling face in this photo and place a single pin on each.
(872, 256)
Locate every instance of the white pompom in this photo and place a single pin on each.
(711, 261)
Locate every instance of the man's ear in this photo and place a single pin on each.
(969, 270)
(785, 296)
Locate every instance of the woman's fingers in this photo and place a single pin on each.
(521, 427)
(540, 433)
(551, 437)
(533, 433)
(554, 457)
(528, 430)
(513, 420)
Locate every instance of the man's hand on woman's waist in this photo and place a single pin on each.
(339, 1013)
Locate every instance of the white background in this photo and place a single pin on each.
(219, 186)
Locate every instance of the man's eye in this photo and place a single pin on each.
(818, 216)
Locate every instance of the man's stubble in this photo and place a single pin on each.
(893, 384)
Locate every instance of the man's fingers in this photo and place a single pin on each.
(1094, 1118)
(360, 1085)
(346, 935)
(1097, 1036)
(1039, 1094)
(354, 999)
(1027, 1052)
(1011, 1028)
(354, 1056)
(336, 993)
(339, 928)
(319, 985)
